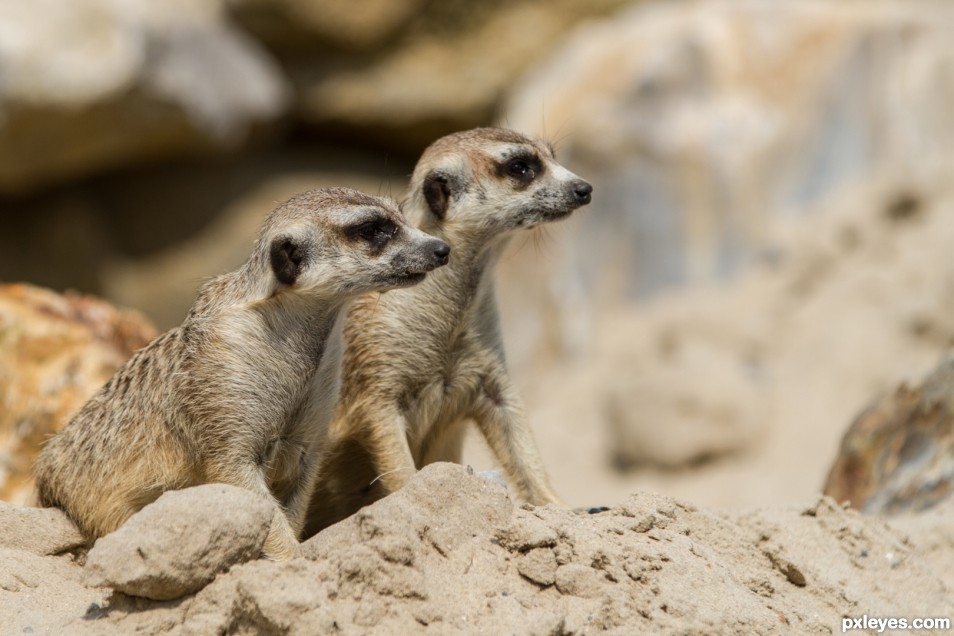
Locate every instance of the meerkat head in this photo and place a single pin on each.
(496, 180)
(338, 241)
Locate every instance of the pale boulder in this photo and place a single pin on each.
(178, 544)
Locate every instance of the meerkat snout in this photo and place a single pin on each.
(433, 252)
(411, 264)
(442, 252)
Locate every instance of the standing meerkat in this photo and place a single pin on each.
(242, 390)
(421, 362)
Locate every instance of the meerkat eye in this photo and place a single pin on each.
(377, 232)
(522, 168)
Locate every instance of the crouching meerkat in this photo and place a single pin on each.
(421, 362)
(242, 390)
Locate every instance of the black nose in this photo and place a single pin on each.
(442, 251)
(582, 190)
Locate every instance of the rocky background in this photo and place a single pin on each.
(757, 306)
(142, 143)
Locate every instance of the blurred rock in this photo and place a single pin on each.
(55, 352)
(898, 454)
(696, 393)
(301, 25)
(94, 84)
(177, 544)
(64, 226)
(409, 71)
(148, 236)
(698, 123)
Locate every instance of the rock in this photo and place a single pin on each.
(700, 123)
(577, 579)
(410, 71)
(41, 531)
(898, 454)
(56, 350)
(479, 505)
(95, 84)
(527, 533)
(375, 568)
(791, 571)
(178, 544)
(538, 565)
(296, 25)
(671, 411)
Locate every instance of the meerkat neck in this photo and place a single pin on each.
(242, 309)
(469, 250)
(466, 282)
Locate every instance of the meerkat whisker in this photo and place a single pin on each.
(383, 474)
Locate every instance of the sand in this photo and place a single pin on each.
(452, 554)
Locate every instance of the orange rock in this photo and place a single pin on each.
(898, 455)
(56, 350)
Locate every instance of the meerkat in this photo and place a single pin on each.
(421, 362)
(242, 390)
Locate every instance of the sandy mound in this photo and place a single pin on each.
(451, 554)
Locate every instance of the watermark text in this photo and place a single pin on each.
(879, 625)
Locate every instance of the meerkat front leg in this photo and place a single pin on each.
(500, 417)
(385, 438)
(296, 506)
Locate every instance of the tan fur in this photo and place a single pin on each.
(243, 389)
(420, 363)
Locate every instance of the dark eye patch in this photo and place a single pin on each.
(376, 232)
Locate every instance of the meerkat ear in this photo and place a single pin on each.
(286, 256)
(438, 188)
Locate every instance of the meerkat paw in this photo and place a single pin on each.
(281, 544)
(280, 552)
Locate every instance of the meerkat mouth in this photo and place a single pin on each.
(557, 215)
(541, 217)
(407, 279)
